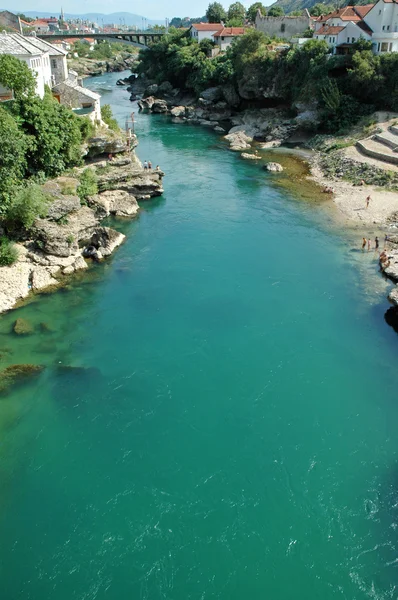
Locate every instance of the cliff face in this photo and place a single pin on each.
(292, 5)
(71, 233)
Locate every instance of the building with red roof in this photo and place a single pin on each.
(226, 35)
(204, 31)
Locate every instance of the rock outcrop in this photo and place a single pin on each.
(273, 167)
(238, 140)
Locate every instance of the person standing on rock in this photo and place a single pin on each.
(367, 201)
(145, 165)
(376, 243)
(363, 243)
(368, 244)
(149, 165)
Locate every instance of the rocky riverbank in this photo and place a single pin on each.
(88, 67)
(71, 235)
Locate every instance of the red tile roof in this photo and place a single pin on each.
(207, 26)
(363, 10)
(328, 30)
(229, 32)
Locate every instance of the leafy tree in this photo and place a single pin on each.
(252, 11)
(215, 13)
(296, 13)
(54, 134)
(13, 163)
(176, 22)
(88, 185)
(320, 9)
(206, 46)
(16, 75)
(28, 204)
(276, 11)
(108, 118)
(236, 13)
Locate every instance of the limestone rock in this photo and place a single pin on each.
(238, 140)
(273, 167)
(247, 156)
(136, 181)
(151, 90)
(119, 203)
(160, 106)
(106, 240)
(230, 95)
(62, 207)
(178, 111)
(393, 295)
(23, 327)
(212, 94)
(106, 145)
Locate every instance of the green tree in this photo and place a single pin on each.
(54, 134)
(276, 11)
(252, 11)
(296, 13)
(88, 185)
(16, 75)
(320, 9)
(236, 13)
(28, 204)
(215, 13)
(14, 144)
(108, 118)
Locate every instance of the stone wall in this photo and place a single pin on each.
(283, 27)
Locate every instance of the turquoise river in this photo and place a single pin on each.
(233, 433)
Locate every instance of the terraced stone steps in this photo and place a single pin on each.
(382, 146)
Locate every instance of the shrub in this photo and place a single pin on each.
(88, 185)
(8, 252)
(108, 118)
(86, 127)
(27, 205)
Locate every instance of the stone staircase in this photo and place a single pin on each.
(381, 146)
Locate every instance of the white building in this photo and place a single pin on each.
(226, 35)
(204, 31)
(377, 23)
(37, 59)
(58, 62)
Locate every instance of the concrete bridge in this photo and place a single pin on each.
(137, 38)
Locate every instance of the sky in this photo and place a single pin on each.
(151, 9)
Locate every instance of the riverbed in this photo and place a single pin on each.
(228, 430)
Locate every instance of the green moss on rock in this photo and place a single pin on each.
(23, 327)
(14, 374)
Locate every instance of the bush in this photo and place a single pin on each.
(88, 185)
(87, 128)
(108, 118)
(28, 204)
(8, 252)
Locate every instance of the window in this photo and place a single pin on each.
(222, 37)
(348, 40)
(352, 40)
(380, 12)
(384, 47)
(383, 27)
(390, 47)
(283, 27)
(388, 28)
(53, 63)
(378, 47)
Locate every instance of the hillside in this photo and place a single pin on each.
(292, 5)
(126, 18)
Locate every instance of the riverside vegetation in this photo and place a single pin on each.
(56, 187)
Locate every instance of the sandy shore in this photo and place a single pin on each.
(351, 200)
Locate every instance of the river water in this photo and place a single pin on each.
(233, 433)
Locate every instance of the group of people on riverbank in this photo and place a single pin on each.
(368, 243)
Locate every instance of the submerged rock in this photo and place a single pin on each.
(273, 167)
(14, 374)
(238, 140)
(247, 156)
(23, 327)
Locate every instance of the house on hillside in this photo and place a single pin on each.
(58, 62)
(84, 102)
(284, 27)
(226, 35)
(37, 59)
(40, 26)
(377, 23)
(204, 31)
